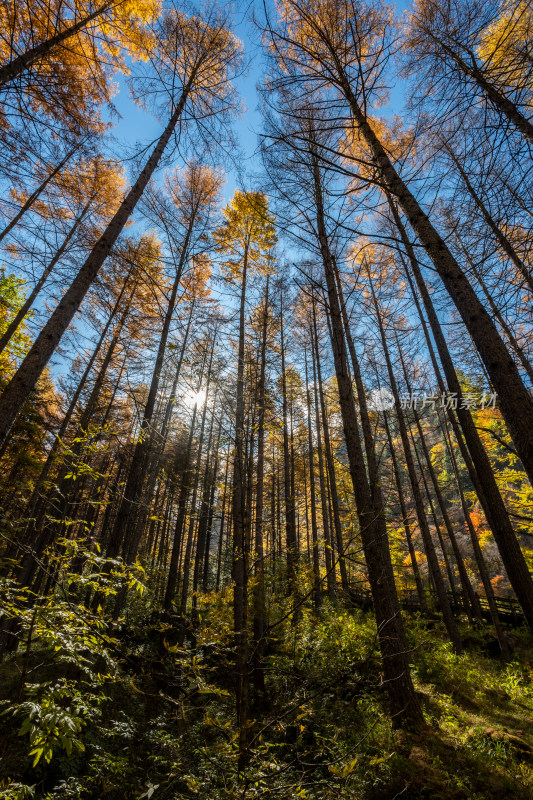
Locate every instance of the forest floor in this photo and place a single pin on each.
(142, 716)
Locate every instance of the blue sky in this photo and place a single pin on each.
(136, 125)
(139, 126)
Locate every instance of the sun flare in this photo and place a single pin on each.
(192, 398)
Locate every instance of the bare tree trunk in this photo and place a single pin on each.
(404, 704)
(221, 528)
(368, 436)
(189, 465)
(405, 518)
(37, 193)
(445, 558)
(172, 397)
(187, 558)
(33, 501)
(23, 62)
(308, 540)
(431, 555)
(27, 375)
(203, 515)
(259, 568)
(478, 554)
(38, 535)
(211, 501)
(130, 519)
(476, 459)
(240, 537)
(314, 528)
(516, 402)
(331, 469)
(328, 555)
(468, 591)
(290, 517)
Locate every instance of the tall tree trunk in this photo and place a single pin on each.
(203, 514)
(330, 466)
(211, 510)
(476, 459)
(516, 402)
(221, 527)
(10, 71)
(240, 537)
(429, 547)
(165, 427)
(312, 487)
(328, 553)
(478, 554)
(130, 519)
(404, 704)
(190, 463)
(57, 443)
(466, 585)
(306, 504)
(436, 525)
(21, 313)
(38, 535)
(480, 559)
(158, 438)
(259, 567)
(64, 493)
(368, 436)
(193, 517)
(405, 517)
(290, 516)
(28, 373)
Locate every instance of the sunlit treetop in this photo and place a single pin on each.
(489, 41)
(247, 232)
(98, 181)
(87, 192)
(398, 139)
(505, 45)
(120, 28)
(139, 261)
(196, 284)
(194, 191)
(316, 37)
(74, 79)
(371, 261)
(199, 53)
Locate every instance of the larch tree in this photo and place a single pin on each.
(245, 239)
(88, 192)
(474, 48)
(316, 39)
(301, 139)
(192, 66)
(195, 193)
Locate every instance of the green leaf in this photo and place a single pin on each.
(37, 752)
